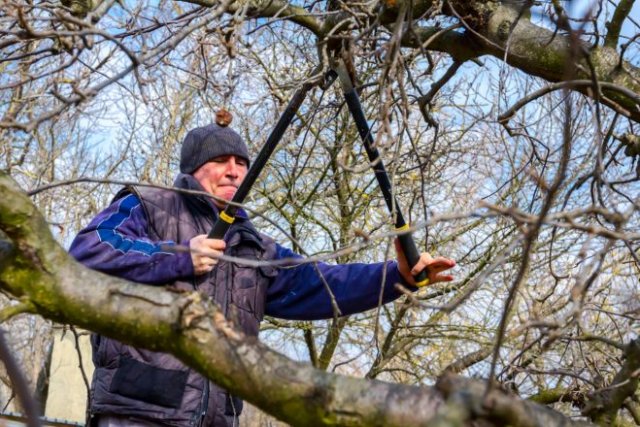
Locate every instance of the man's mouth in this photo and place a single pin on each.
(227, 191)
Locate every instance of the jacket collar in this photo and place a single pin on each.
(188, 182)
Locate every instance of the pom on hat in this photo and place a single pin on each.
(223, 118)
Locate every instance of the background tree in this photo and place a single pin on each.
(509, 129)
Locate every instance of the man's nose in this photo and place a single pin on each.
(232, 167)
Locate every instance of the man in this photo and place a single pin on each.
(129, 239)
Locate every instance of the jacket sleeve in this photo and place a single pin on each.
(116, 242)
(299, 293)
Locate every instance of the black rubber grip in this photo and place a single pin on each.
(411, 253)
(219, 229)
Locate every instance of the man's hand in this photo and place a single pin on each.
(434, 266)
(205, 253)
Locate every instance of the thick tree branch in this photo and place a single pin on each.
(459, 45)
(271, 9)
(615, 25)
(603, 406)
(559, 394)
(509, 408)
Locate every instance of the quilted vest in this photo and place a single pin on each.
(152, 385)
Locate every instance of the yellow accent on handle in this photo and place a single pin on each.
(227, 218)
(403, 228)
(425, 282)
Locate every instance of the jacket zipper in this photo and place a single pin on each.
(205, 402)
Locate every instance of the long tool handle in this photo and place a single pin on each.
(228, 216)
(406, 240)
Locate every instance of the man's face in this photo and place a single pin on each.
(221, 176)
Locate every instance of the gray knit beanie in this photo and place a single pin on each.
(205, 143)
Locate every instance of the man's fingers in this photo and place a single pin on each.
(208, 260)
(204, 264)
(214, 245)
(434, 267)
(205, 253)
(423, 262)
(440, 264)
(203, 242)
(421, 265)
(209, 257)
(209, 253)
